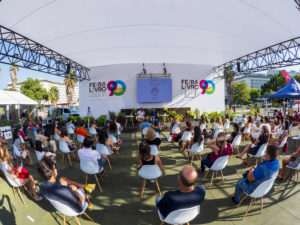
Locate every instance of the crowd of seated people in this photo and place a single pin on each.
(99, 150)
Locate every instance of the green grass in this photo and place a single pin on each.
(120, 202)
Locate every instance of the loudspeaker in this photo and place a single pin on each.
(68, 69)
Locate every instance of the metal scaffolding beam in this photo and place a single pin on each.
(15, 48)
(284, 54)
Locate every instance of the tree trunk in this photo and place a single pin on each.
(13, 76)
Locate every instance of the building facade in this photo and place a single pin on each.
(47, 84)
(253, 80)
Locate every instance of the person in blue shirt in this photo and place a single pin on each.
(145, 124)
(258, 174)
(154, 115)
(186, 196)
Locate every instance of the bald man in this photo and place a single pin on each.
(186, 196)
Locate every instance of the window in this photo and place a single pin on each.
(67, 111)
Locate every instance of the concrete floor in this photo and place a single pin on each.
(120, 202)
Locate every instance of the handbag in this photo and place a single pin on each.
(23, 174)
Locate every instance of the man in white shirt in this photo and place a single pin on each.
(89, 154)
(140, 115)
(70, 125)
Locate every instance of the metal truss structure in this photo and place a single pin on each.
(15, 48)
(284, 54)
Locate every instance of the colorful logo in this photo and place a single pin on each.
(116, 88)
(207, 86)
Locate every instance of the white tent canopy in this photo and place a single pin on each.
(15, 98)
(102, 32)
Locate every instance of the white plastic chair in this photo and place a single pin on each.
(70, 131)
(226, 126)
(56, 137)
(259, 192)
(144, 131)
(246, 130)
(175, 129)
(217, 131)
(187, 136)
(20, 156)
(180, 216)
(283, 142)
(89, 168)
(150, 172)
(113, 138)
(64, 148)
(15, 185)
(154, 150)
(80, 139)
(202, 127)
(218, 165)
(104, 150)
(236, 142)
(92, 131)
(290, 129)
(67, 211)
(196, 149)
(260, 153)
(295, 170)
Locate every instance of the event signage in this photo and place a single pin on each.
(111, 88)
(207, 86)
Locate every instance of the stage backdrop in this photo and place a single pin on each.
(114, 87)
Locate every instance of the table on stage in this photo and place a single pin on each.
(129, 117)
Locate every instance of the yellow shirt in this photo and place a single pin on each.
(291, 111)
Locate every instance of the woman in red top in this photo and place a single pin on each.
(219, 147)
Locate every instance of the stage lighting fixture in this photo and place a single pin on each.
(238, 67)
(68, 69)
(143, 70)
(165, 69)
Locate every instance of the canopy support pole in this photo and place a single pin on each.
(7, 112)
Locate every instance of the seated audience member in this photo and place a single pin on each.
(176, 129)
(21, 147)
(187, 136)
(145, 157)
(258, 174)
(140, 115)
(81, 131)
(41, 137)
(26, 138)
(19, 174)
(40, 153)
(219, 148)
(236, 132)
(113, 132)
(197, 139)
(243, 121)
(226, 120)
(219, 123)
(293, 161)
(277, 140)
(144, 125)
(154, 116)
(119, 129)
(89, 154)
(186, 196)
(107, 142)
(64, 137)
(54, 130)
(246, 129)
(156, 127)
(253, 148)
(151, 138)
(65, 191)
(70, 125)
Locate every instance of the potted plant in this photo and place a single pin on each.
(121, 117)
(191, 115)
(197, 114)
(112, 115)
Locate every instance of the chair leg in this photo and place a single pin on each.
(200, 157)
(27, 191)
(252, 200)
(14, 190)
(70, 162)
(237, 148)
(192, 159)
(261, 204)
(64, 220)
(157, 185)
(256, 162)
(143, 187)
(98, 184)
(21, 196)
(62, 159)
(242, 200)
(205, 174)
(108, 161)
(77, 220)
(212, 178)
(84, 213)
(222, 176)
(86, 179)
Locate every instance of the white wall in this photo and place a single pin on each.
(128, 73)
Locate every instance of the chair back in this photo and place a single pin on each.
(10, 180)
(17, 152)
(56, 137)
(80, 138)
(70, 130)
(21, 139)
(246, 130)
(103, 149)
(187, 136)
(294, 168)
(237, 140)
(39, 155)
(283, 142)
(220, 163)
(154, 150)
(261, 151)
(202, 126)
(150, 172)
(92, 131)
(157, 135)
(63, 209)
(88, 167)
(291, 127)
(182, 216)
(63, 147)
(113, 138)
(196, 148)
(226, 126)
(175, 129)
(217, 131)
(144, 131)
(264, 187)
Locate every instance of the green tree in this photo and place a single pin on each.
(70, 83)
(34, 90)
(241, 93)
(229, 78)
(13, 75)
(254, 94)
(275, 83)
(297, 77)
(53, 95)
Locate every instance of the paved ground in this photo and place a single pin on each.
(120, 202)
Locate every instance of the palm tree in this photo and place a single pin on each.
(70, 83)
(229, 78)
(13, 75)
(53, 95)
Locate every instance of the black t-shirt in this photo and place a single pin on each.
(262, 140)
(233, 135)
(174, 200)
(156, 142)
(61, 193)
